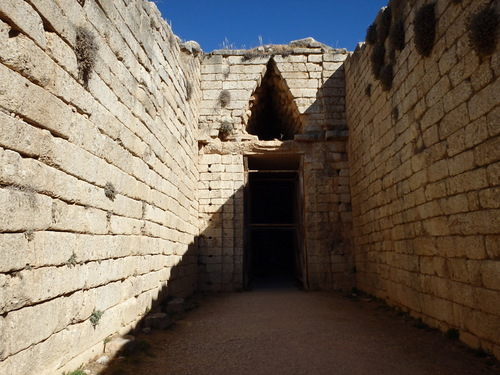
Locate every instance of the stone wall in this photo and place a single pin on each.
(312, 73)
(425, 161)
(98, 176)
(309, 82)
(327, 219)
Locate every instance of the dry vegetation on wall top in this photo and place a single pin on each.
(371, 34)
(86, 52)
(377, 59)
(268, 50)
(483, 30)
(377, 34)
(397, 36)
(386, 77)
(424, 26)
(384, 25)
(225, 130)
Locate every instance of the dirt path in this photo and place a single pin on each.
(287, 331)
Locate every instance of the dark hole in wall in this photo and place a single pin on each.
(274, 112)
(273, 227)
(14, 33)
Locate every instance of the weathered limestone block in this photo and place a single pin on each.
(53, 316)
(30, 101)
(122, 225)
(44, 284)
(24, 18)
(492, 248)
(54, 16)
(77, 218)
(24, 210)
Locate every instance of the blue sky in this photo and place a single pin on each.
(241, 24)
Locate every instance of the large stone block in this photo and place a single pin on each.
(18, 252)
(24, 18)
(24, 209)
(34, 103)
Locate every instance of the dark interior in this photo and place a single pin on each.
(273, 198)
(274, 113)
(273, 222)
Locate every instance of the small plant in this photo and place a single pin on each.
(384, 25)
(189, 90)
(377, 59)
(224, 98)
(371, 34)
(397, 36)
(110, 191)
(386, 77)
(30, 235)
(95, 317)
(225, 130)
(397, 7)
(425, 29)
(483, 31)
(28, 267)
(452, 334)
(86, 52)
(75, 372)
(71, 262)
(227, 45)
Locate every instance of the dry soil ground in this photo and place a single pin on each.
(288, 331)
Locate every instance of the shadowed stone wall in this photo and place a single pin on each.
(425, 162)
(98, 175)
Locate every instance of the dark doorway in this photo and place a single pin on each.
(273, 215)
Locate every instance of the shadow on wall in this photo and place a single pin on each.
(328, 112)
(182, 280)
(217, 259)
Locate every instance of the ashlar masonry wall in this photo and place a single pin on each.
(313, 77)
(424, 160)
(98, 175)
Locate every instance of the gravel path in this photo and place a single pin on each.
(287, 331)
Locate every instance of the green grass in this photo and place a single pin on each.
(95, 317)
(75, 372)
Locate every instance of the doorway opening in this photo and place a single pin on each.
(273, 230)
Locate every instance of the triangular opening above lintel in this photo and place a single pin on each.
(274, 112)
